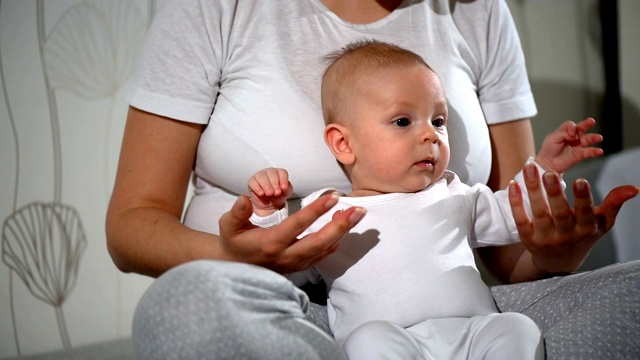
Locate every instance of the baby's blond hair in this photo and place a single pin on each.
(354, 60)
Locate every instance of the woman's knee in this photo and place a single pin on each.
(211, 306)
(221, 284)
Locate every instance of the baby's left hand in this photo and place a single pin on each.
(568, 145)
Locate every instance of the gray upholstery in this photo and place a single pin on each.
(590, 315)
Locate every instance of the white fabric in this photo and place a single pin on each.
(410, 258)
(505, 336)
(250, 70)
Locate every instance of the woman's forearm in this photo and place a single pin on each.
(150, 241)
(144, 233)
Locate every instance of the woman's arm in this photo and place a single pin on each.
(144, 232)
(511, 143)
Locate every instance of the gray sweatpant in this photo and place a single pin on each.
(226, 310)
(223, 310)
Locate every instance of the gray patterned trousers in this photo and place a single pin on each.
(224, 310)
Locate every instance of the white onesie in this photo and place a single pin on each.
(410, 259)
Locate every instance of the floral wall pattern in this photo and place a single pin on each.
(64, 67)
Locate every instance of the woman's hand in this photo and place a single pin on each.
(558, 237)
(278, 248)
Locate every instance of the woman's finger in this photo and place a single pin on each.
(524, 225)
(561, 212)
(295, 224)
(584, 208)
(542, 219)
(237, 218)
(610, 206)
(320, 244)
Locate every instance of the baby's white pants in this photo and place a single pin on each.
(495, 336)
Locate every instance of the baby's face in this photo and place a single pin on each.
(398, 130)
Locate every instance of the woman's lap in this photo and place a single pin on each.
(224, 310)
(240, 311)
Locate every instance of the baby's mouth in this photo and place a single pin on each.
(426, 163)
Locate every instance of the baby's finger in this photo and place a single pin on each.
(590, 139)
(566, 132)
(585, 125)
(265, 182)
(254, 186)
(591, 152)
(283, 179)
(273, 178)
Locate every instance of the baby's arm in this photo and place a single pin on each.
(568, 145)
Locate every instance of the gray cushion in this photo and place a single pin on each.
(590, 315)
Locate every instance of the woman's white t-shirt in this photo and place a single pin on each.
(251, 71)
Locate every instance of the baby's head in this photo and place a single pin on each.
(386, 114)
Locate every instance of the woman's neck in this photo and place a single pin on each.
(361, 11)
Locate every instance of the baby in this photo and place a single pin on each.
(403, 283)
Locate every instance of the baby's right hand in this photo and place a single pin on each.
(269, 190)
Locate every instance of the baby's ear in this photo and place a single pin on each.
(337, 138)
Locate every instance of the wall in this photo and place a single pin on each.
(562, 45)
(65, 66)
(65, 69)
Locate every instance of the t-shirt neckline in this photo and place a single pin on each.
(373, 25)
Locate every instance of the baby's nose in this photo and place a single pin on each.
(428, 133)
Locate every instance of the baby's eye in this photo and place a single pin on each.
(402, 122)
(439, 123)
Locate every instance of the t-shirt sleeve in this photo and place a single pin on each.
(504, 90)
(179, 67)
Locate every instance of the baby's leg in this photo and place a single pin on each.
(226, 310)
(493, 337)
(382, 340)
(505, 336)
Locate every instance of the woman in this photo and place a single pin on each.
(227, 88)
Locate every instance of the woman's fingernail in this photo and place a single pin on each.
(530, 170)
(549, 179)
(357, 215)
(333, 199)
(513, 190)
(240, 203)
(581, 184)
